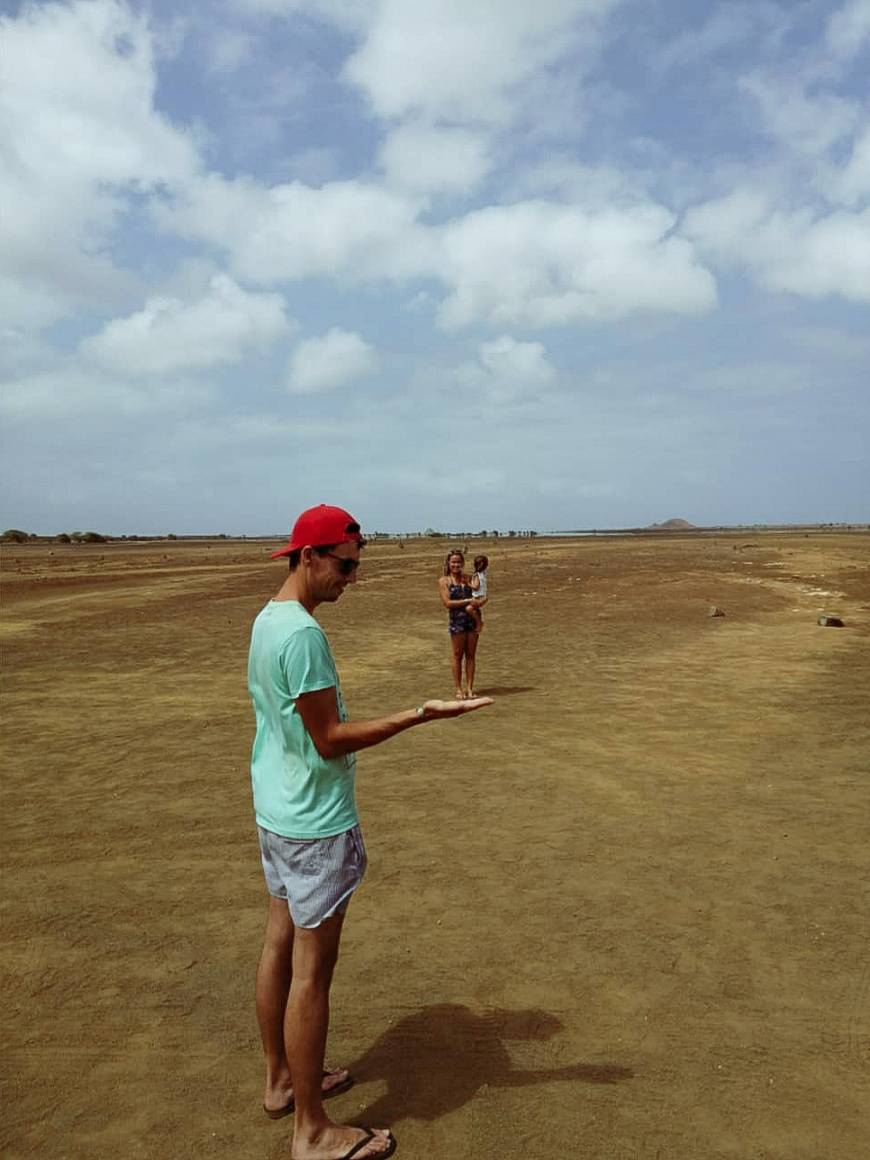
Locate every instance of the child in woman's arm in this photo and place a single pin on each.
(478, 587)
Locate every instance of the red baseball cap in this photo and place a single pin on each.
(319, 526)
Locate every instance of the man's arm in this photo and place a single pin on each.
(333, 737)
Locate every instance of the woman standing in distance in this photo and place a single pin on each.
(454, 588)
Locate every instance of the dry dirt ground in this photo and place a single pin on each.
(621, 914)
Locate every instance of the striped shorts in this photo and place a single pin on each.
(317, 876)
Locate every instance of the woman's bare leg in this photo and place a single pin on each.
(457, 651)
(470, 653)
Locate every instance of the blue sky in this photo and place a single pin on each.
(577, 263)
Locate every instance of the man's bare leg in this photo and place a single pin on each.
(274, 974)
(315, 1136)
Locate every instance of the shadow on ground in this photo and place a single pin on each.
(504, 690)
(437, 1059)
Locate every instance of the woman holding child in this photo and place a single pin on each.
(459, 595)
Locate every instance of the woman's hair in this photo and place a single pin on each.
(453, 552)
(481, 563)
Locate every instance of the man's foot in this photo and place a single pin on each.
(347, 1143)
(335, 1081)
(460, 696)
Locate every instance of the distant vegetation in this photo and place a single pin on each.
(484, 534)
(19, 536)
(16, 536)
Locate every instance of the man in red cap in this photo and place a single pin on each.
(302, 770)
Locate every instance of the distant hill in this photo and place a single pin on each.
(674, 526)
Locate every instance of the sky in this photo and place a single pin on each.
(462, 266)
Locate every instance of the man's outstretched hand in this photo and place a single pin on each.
(433, 710)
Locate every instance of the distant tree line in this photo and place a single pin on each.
(483, 534)
(16, 536)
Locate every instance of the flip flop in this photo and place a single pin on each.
(367, 1139)
(369, 1136)
(290, 1107)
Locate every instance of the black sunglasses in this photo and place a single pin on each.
(345, 564)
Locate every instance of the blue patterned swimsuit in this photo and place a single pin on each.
(460, 620)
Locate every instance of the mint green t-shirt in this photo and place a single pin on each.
(297, 793)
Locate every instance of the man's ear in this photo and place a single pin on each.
(306, 557)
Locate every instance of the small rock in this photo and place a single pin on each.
(830, 622)
(715, 610)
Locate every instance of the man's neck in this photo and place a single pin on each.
(295, 588)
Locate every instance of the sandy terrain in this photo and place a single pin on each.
(622, 914)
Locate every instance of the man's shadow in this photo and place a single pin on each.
(436, 1060)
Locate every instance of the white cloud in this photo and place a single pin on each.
(330, 166)
(799, 226)
(535, 262)
(228, 48)
(849, 28)
(347, 229)
(430, 159)
(806, 124)
(344, 13)
(561, 178)
(795, 251)
(544, 264)
(87, 111)
(37, 292)
(72, 392)
(828, 256)
(447, 76)
(851, 184)
(728, 26)
(448, 59)
(314, 166)
(330, 361)
(77, 130)
(507, 371)
(169, 334)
